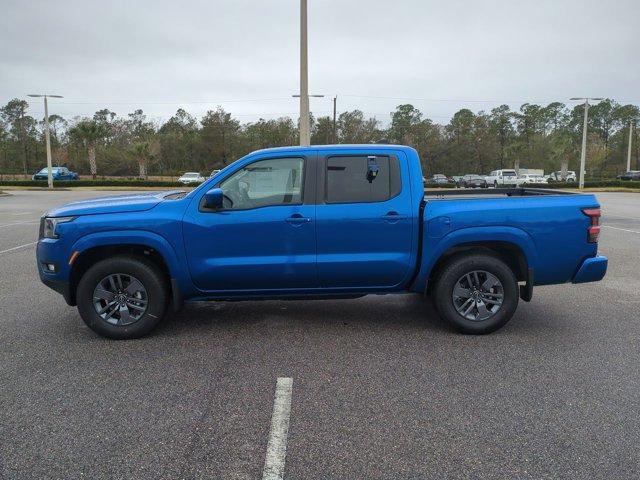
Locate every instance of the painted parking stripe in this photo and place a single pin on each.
(606, 215)
(18, 223)
(623, 229)
(18, 247)
(277, 446)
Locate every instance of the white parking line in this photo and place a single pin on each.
(18, 223)
(277, 446)
(623, 229)
(18, 247)
(606, 215)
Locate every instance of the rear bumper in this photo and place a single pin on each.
(592, 270)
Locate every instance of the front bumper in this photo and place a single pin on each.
(592, 270)
(55, 251)
(59, 286)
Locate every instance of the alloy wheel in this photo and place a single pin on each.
(478, 295)
(120, 299)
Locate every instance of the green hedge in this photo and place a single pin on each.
(91, 183)
(440, 185)
(152, 183)
(587, 184)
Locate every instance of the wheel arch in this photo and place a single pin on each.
(513, 245)
(92, 248)
(510, 253)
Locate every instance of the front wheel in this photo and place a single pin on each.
(476, 293)
(123, 297)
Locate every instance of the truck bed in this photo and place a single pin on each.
(547, 226)
(494, 192)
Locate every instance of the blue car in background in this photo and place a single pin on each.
(58, 173)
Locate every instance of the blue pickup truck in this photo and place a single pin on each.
(317, 222)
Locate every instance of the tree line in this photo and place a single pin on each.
(534, 136)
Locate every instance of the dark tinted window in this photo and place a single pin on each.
(347, 180)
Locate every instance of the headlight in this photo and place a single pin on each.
(48, 226)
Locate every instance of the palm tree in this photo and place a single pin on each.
(142, 153)
(89, 132)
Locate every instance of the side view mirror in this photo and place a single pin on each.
(372, 169)
(213, 198)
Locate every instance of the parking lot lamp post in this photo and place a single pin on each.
(583, 153)
(47, 135)
(335, 136)
(629, 147)
(305, 134)
(308, 128)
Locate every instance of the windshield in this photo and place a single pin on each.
(191, 175)
(45, 170)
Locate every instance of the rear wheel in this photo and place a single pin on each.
(122, 297)
(476, 293)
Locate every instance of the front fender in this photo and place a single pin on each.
(138, 237)
(434, 248)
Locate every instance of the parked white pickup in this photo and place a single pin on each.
(502, 177)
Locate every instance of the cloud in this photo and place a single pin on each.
(160, 55)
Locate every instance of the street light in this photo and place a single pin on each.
(583, 154)
(47, 134)
(630, 144)
(305, 129)
(305, 134)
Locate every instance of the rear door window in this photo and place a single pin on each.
(346, 180)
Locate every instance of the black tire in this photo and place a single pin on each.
(495, 184)
(141, 269)
(454, 270)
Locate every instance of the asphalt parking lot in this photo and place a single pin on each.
(380, 387)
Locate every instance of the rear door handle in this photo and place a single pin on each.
(393, 217)
(297, 219)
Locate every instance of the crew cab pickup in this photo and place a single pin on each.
(316, 222)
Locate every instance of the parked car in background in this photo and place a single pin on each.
(472, 180)
(308, 222)
(630, 175)
(214, 173)
(439, 178)
(191, 178)
(456, 179)
(499, 178)
(58, 174)
(531, 178)
(557, 176)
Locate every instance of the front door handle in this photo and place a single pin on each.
(393, 217)
(297, 219)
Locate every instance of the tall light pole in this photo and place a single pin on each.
(305, 134)
(47, 134)
(335, 100)
(629, 147)
(583, 153)
(306, 128)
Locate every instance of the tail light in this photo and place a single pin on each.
(594, 230)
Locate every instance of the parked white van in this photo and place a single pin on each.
(502, 177)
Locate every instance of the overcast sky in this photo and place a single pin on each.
(244, 54)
